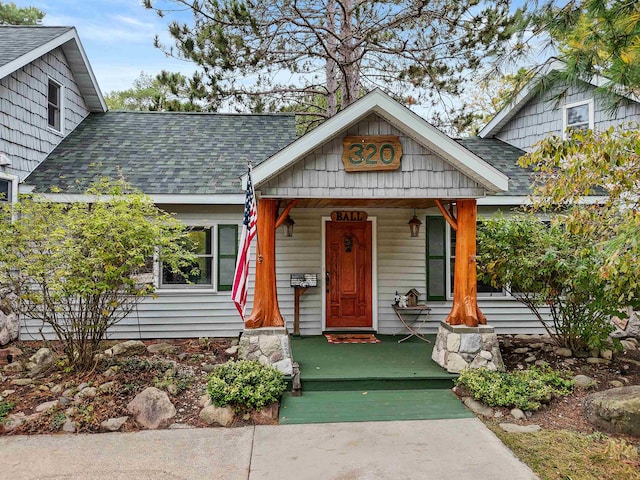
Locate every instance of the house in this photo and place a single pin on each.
(356, 180)
(47, 88)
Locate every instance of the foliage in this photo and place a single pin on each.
(607, 164)
(11, 14)
(563, 454)
(245, 385)
(5, 407)
(76, 267)
(596, 37)
(524, 389)
(166, 92)
(289, 52)
(548, 267)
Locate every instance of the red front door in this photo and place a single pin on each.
(348, 281)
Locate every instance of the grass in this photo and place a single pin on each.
(568, 455)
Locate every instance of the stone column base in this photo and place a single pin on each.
(269, 346)
(459, 347)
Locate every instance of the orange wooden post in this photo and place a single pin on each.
(465, 308)
(266, 312)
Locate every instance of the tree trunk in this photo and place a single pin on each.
(266, 312)
(465, 296)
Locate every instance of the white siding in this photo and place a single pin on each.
(401, 266)
(422, 174)
(24, 134)
(542, 116)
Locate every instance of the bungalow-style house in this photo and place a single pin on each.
(371, 188)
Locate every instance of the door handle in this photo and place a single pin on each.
(327, 278)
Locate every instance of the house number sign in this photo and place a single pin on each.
(368, 153)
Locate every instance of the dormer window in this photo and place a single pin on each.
(54, 107)
(578, 115)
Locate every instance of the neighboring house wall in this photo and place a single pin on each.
(543, 116)
(401, 265)
(422, 173)
(24, 133)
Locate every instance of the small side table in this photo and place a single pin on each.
(414, 324)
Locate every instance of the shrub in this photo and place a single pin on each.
(245, 385)
(5, 408)
(526, 389)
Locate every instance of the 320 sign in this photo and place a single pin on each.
(369, 153)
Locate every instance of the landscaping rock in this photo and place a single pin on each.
(521, 350)
(126, 349)
(208, 367)
(530, 359)
(518, 414)
(43, 407)
(204, 401)
(583, 381)
(217, 415)
(42, 357)
(232, 350)
(106, 387)
(563, 352)
(9, 328)
(616, 383)
(57, 389)
(87, 392)
(151, 408)
(597, 361)
(21, 382)
(6, 393)
(162, 348)
(64, 401)
(455, 363)
(113, 424)
(69, 426)
(13, 421)
(628, 345)
(515, 428)
(615, 410)
(478, 407)
(111, 371)
(180, 426)
(606, 354)
(13, 368)
(266, 416)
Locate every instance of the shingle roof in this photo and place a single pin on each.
(504, 157)
(163, 152)
(16, 41)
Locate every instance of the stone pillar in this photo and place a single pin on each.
(269, 346)
(459, 347)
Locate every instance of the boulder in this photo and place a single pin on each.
(42, 357)
(162, 348)
(583, 381)
(478, 407)
(518, 414)
(126, 349)
(9, 327)
(615, 410)
(217, 415)
(151, 408)
(266, 416)
(113, 424)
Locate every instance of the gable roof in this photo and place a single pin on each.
(402, 118)
(529, 90)
(22, 45)
(164, 153)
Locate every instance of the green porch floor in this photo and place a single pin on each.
(371, 406)
(369, 382)
(386, 365)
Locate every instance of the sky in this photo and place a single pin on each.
(117, 36)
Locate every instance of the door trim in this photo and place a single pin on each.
(374, 270)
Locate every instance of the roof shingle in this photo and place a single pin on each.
(16, 41)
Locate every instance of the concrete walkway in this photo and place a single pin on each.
(426, 449)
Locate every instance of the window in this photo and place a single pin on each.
(227, 252)
(5, 190)
(54, 105)
(578, 115)
(203, 272)
(438, 269)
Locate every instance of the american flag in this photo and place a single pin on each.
(241, 276)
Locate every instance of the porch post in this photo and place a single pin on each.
(465, 310)
(266, 312)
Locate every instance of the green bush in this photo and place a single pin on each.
(245, 385)
(5, 408)
(526, 389)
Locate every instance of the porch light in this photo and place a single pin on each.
(414, 225)
(288, 226)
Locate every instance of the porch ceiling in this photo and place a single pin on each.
(366, 202)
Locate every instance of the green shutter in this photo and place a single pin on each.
(227, 253)
(436, 258)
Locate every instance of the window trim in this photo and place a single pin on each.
(13, 187)
(219, 256)
(565, 108)
(196, 289)
(60, 106)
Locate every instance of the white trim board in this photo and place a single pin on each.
(177, 199)
(402, 118)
